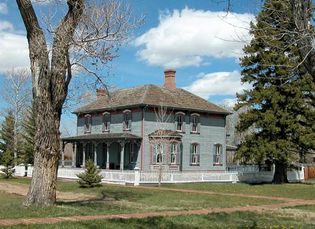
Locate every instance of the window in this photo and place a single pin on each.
(173, 153)
(217, 154)
(179, 122)
(195, 123)
(106, 122)
(194, 152)
(158, 153)
(127, 120)
(132, 153)
(87, 123)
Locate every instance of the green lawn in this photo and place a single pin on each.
(309, 208)
(302, 191)
(119, 199)
(220, 220)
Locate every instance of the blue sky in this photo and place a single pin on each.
(197, 38)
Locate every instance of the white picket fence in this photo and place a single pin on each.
(136, 177)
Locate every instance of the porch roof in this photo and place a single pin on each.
(105, 136)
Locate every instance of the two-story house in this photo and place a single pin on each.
(151, 126)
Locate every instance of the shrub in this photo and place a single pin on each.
(8, 170)
(90, 177)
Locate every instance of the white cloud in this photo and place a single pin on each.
(3, 8)
(13, 48)
(229, 103)
(186, 37)
(5, 25)
(217, 83)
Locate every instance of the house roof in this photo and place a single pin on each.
(105, 136)
(151, 95)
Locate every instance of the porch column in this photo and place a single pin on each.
(62, 154)
(95, 153)
(107, 155)
(74, 154)
(83, 156)
(122, 146)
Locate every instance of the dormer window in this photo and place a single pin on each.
(127, 120)
(106, 122)
(179, 121)
(87, 123)
(195, 123)
(217, 159)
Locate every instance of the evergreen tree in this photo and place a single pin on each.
(28, 137)
(278, 110)
(91, 177)
(7, 134)
(7, 145)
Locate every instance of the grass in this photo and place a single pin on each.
(119, 199)
(309, 208)
(220, 220)
(298, 191)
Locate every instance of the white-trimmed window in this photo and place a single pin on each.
(173, 153)
(127, 120)
(195, 123)
(87, 123)
(158, 153)
(217, 159)
(180, 122)
(106, 122)
(194, 154)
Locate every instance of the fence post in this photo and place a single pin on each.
(137, 176)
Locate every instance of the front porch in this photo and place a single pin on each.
(110, 151)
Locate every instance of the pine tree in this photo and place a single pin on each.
(7, 134)
(28, 137)
(278, 109)
(7, 144)
(91, 177)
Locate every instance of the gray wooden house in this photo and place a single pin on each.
(150, 126)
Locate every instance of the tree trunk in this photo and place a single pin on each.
(280, 175)
(47, 152)
(50, 80)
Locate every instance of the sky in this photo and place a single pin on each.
(198, 38)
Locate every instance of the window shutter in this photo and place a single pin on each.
(178, 154)
(191, 153)
(198, 124)
(198, 152)
(184, 123)
(175, 123)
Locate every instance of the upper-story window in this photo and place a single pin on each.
(179, 121)
(87, 123)
(195, 123)
(106, 122)
(217, 159)
(194, 154)
(127, 120)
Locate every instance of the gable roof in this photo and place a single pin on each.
(152, 95)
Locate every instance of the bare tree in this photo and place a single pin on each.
(162, 138)
(16, 92)
(90, 30)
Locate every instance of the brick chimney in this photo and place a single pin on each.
(101, 92)
(169, 81)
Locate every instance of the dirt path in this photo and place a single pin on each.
(64, 196)
(69, 196)
(51, 220)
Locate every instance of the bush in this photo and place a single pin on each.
(8, 170)
(90, 178)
